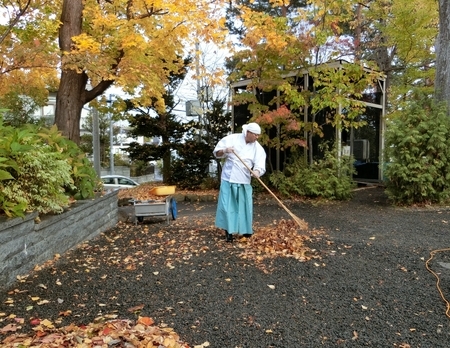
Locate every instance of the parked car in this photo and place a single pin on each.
(116, 182)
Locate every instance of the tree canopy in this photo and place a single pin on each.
(93, 45)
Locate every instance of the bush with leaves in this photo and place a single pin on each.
(418, 153)
(85, 179)
(39, 183)
(330, 177)
(40, 170)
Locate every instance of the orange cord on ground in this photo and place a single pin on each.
(432, 253)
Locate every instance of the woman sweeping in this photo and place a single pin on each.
(235, 205)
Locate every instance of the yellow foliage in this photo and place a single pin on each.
(134, 43)
(28, 48)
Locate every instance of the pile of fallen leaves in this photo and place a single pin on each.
(281, 239)
(139, 193)
(114, 333)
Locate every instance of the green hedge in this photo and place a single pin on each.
(418, 153)
(40, 170)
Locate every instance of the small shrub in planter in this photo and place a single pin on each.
(40, 170)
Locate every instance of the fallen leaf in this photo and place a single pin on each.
(35, 321)
(47, 323)
(136, 308)
(111, 316)
(203, 345)
(145, 320)
(9, 328)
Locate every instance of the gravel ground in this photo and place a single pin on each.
(366, 284)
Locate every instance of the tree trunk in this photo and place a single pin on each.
(442, 83)
(69, 102)
(72, 93)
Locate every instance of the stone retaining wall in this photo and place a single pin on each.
(25, 244)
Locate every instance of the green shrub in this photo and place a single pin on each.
(329, 177)
(85, 179)
(40, 170)
(40, 182)
(418, 154)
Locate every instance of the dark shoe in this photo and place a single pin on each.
(229, 237)
(247, 235)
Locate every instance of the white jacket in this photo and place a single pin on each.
(252, 154)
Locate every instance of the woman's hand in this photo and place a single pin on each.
(255, 174)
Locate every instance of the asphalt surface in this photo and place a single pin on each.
(369, 281)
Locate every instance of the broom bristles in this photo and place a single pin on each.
(300, 222)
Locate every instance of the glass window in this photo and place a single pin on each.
(124, 181)
(109, 181)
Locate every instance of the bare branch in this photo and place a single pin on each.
(151, 11)
(15, 20)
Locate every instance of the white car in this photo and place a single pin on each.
(116, 182)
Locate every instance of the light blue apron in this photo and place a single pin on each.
(235, 208)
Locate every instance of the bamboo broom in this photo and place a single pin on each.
(300, 222)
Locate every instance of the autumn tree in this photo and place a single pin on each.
(382, 36)
(134, 45)
(399, 37)
(236, 8)
(28, 33)
(277, 51)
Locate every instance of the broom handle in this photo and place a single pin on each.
(265, 186)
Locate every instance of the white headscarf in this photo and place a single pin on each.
(252, 127)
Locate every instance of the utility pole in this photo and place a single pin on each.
(96, 141)
(111, 140)
(199, 91)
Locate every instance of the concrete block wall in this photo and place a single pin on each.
(25, 244)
